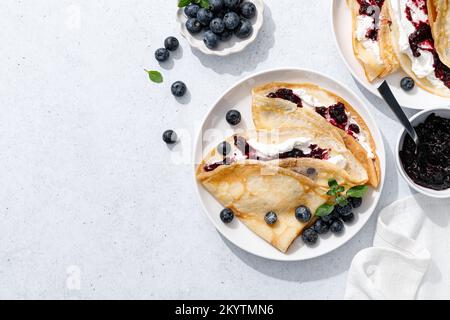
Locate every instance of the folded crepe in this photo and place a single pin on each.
(439, 15)
(309, 107)
(419, 42)
(371, 38)
(276, 171)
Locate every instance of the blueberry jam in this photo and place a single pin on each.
(430, 166)
(286, 94)
(371, 8)
(250, 153)
(422, 39)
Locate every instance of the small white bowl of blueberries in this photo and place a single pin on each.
(220, 27)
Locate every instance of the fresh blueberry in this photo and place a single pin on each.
(310, 236)
(341, 210)
(248, 10)
(349, 217)
(205, 16)
(178, 89)
(355, 202)
(330, 217)
(170, 137)
(407, 83)
(231, 20)
(303, 214)
(233, 117)
(321, 227)
(162, 54)
(193, 25)
(217, 26)
(232, 4)
(171, 43)
(244, 29)
(210, 39)
(226, 215)
(337, 226)
(224, 148)
(270, 218)
(191, 10)
(216, 5)
(226, 35)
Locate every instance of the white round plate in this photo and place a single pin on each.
(342, 29)
(234, 45)
(215, 128)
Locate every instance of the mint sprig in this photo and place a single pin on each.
(357, 192)
(201, 3)
(155, 76)
(324, 210)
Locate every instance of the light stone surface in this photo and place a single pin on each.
(92, 205)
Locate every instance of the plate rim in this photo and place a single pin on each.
(366, 85)
(288, 258)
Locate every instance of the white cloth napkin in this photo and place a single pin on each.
(410, 257)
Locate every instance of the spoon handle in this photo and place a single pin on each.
(388, 96)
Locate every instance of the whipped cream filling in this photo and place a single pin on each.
(364, 24)
(339, 161)
(275, 149)
(422, 66)
(307, 99)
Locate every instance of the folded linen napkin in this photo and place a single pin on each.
(410, 257)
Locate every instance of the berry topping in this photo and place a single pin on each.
(337, 226)
(348, 217)
(286, 94)
(303, 214)
(270, 218)
(309, 236)
(341, 210)
(321, 227)
(323, 111)
(355, 202)
(353, 127)
(226, 215)
(337, 112)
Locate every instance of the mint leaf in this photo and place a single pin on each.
(332, 183)
(155, 76)
(204, 4)
(357, 192)
(340, 189)
(183, 3)
(332, 192)
(324, 210)
(342, 201)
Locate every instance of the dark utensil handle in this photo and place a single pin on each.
(388, 96)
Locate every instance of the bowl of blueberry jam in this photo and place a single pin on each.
(427, 167)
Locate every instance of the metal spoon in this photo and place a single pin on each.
(388, 96)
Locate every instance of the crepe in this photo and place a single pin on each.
(376, 56)
(275, 113)
(439, 15)
(404, 53)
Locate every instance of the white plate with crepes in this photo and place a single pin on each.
(417, 98)
(215, 129)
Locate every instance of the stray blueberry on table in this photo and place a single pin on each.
(178, 89)
(355, 202)
(224, 148)
(226, 215)
(171, 43)
(270, 218)
(216, 5)
(321, 227)
(233, 117)
(231, 20)
(248, 10)
(162, 54)
(310, 236)
(210, 39)
(205, 16)
(337, 226)
(193, 26)
(191, 10)
(170, 137)
(244, 29)
(303, 214)
(407, 83)
(217, 26)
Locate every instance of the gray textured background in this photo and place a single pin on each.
(88, 190)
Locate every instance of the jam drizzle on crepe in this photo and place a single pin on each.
(248, 152)
(369, 8)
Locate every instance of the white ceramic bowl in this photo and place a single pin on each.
(416, 120)
(234, 45)
(215, 128)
